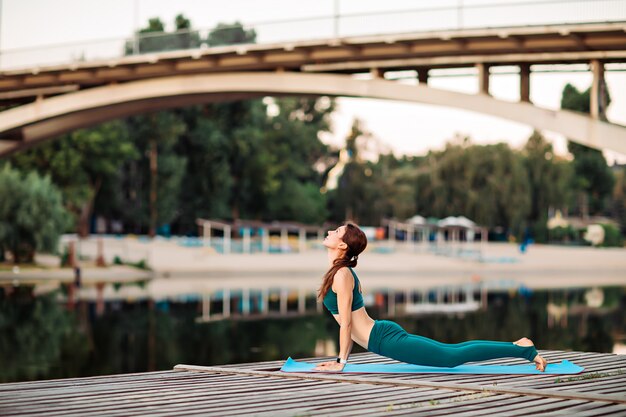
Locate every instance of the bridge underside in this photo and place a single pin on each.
(29, 124)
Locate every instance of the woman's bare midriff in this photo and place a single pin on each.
(361, 326)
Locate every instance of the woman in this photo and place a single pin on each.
(341, 293)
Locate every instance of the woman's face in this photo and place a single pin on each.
(334, 237)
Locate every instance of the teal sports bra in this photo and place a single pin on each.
(330, 299)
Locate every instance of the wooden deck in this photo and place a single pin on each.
(260, 389)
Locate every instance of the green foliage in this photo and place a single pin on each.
(612, 236)
(32, 216)
(229, 160)
(592, 180)
(539, 229)
(488, 184)
(619, 198)
(141, 264)
(564, 234)
(153, 38)
(230, 34)
(207, 181)
(36, 334)
(364, 187)
(80, 164)
(163, 129)
(548, 176)
(295, 148)
(243, 163)
(573, 99)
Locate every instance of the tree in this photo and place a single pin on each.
(351, 194)
(549, 178)
(154, 179)
(79, 163)
(293, 140)
(592, 179)
(375, 188)
(619, 198)
(487, 183)
(207, 181)
(230, 34)
(253, 164)
(153, 37)
(32, 216)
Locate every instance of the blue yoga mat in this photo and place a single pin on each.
(564, 368)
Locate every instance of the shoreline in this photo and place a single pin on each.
(181, 271)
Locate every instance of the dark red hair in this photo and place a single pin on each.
(356, 241)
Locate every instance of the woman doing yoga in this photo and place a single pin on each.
(341, 294)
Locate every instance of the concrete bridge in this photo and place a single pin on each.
(57, 99)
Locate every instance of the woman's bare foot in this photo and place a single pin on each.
(540, 362)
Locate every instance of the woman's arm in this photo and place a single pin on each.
(343, 285)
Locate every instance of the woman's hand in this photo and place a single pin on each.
(331, 366)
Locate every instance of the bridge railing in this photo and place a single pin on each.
(440, 16)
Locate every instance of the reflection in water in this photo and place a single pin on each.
(42, 339)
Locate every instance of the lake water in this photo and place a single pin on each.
(40, 338)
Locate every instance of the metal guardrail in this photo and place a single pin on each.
(464, 14)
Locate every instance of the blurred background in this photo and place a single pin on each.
(143, 225)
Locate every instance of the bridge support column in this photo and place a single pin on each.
(524, 83)
(597, 105)
(483, 78)
(422, 75)
(377, 73)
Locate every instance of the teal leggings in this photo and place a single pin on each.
(389, 339)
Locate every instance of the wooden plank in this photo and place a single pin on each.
(614, 409)
(68, 401)
(431, 406)
(156, 391)
(110, 389)
(230, 390)
(318, 404)
(488, 405)
(621, 389)
(123, 384)
(367, 391)
(213, 378)
(546, 404)
(10, 386)
(594, 408)
(134, 397)
(582, 384)
(453, 386)
(557, 405)
(235, 401)
(291, 407)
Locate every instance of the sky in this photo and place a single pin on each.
(51, 31)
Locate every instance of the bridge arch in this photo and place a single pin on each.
(44, 119)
